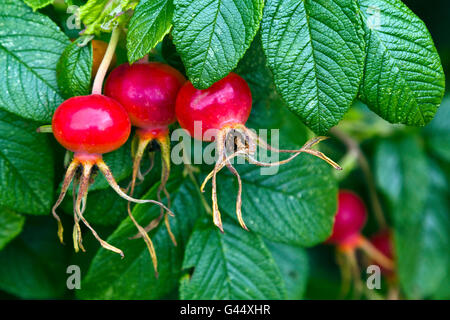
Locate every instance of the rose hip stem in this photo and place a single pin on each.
(104, 65)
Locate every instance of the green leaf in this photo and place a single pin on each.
(213, 35)
(110, 277)
(294, 206)
(26, 166)
(38, 4)
(30, 46)
(403, 77)
(417, 193)
(401, 173)
(74, 70)
(104, 15)
(11, 225)
(268, 110)
(33, 266)
(294, 267)
(253, 69)
(315, 50)
(234, 265)
(438, 131)
(151, 21)
(424, 265)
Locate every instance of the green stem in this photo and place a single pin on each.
(354, 148)
(45, 129)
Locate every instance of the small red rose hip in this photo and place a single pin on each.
(89, 126)
(350, 218)
(382, 241)
(148, 92)
(92, 124)
(227, 102)
(219, 114)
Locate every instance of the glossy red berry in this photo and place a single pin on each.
(92, 124)
(226, 103)
(349, 220)
(147, 91)
(383, 242)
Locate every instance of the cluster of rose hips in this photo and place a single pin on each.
(349, 220)
(151, 96)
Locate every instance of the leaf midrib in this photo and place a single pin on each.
(210, 37)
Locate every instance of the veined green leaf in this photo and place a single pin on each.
(11, 225)
(104, 15)
(294, 206)
(26, 166)
(110, 277)
(316, 52)
(29, 88)
(74, 70)
(234, 265)
(294, 267)
(151, 21)
(213, 35)
(403, 77)
(268, 110)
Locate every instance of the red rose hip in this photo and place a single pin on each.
(227, 102)
(89, 126)
(350, 218)
(148, 92)
(92, 124)
(383, 242)
(219, 114)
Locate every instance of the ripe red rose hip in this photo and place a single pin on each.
(148, 92)
(92, 124)
(89, 126)
(227, 102)
(383, 242)
(350, 218)
(219, 114)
